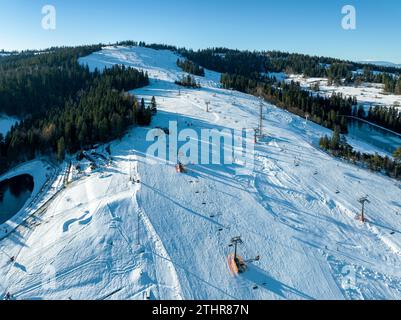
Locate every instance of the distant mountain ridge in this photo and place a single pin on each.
(382, 63)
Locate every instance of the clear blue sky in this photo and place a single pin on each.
(306, 26)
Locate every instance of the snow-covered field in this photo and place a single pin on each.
(297, 210)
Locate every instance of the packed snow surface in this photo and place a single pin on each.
(134, 228)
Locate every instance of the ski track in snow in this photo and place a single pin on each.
(297, 210)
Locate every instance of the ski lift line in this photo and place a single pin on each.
(277, 241)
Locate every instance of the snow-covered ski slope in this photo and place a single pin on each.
(297, 210)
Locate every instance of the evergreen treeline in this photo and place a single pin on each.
(337, 72)
(329, 112)
(191, 67)
(252, 64)
(247, 63)
(391, 84)
(391, 81)
(242, 71)
(338, 146)
(223, 60)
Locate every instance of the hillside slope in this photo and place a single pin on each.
(297, 210)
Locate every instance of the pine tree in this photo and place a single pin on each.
(397, 154)
(325, 142)
(153, 105)
(336, 139)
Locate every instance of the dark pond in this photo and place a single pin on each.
(374, 135)
(14, 192)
